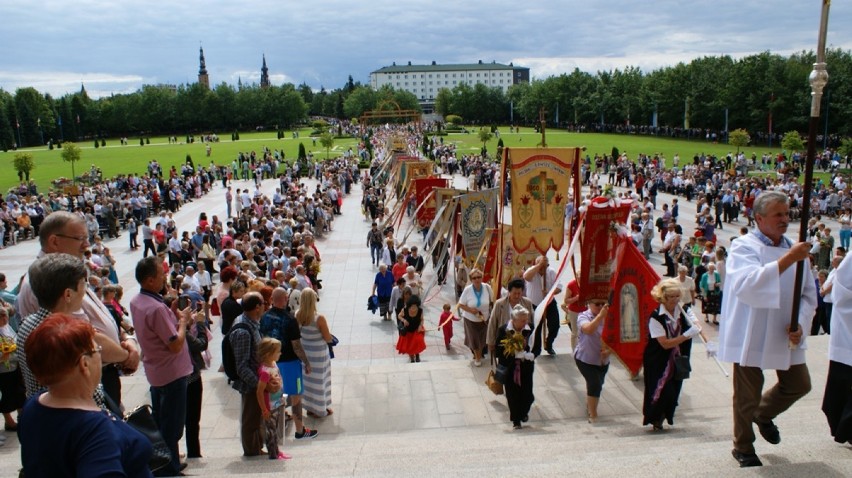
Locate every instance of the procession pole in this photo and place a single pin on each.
(817, 79)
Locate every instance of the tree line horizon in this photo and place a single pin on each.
(760, 93)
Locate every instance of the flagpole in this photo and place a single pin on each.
(818, 79)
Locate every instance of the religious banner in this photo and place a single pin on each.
(540, 182)
(626, 327)
(416, 170)
(401, 169)
(478, 212)
(513, 263)
(423, 187)
(600, 237)
(443, 195)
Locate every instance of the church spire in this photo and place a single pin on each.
(264, 74)
(202, 69)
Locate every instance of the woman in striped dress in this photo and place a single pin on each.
(315, 338)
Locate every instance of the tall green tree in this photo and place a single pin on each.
(327, 142)
(23, 164)
(71, 154)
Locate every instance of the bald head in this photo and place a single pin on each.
(279, 298)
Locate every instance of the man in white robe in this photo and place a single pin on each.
(755, 331)
(838, 388)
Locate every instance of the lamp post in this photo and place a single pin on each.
(818, 79)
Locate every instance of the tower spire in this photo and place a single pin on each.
(202, 69)
(264, 74)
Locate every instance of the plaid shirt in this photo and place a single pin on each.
(27, 326)
(244, 343)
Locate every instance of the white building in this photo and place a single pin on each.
(424, 81)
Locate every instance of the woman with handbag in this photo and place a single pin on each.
(84, 439)
(666, 357)
(516, 364)
(591, 355)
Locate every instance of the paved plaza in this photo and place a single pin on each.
(437, 418)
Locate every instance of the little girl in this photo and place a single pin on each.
(271, 403)
(446, 322)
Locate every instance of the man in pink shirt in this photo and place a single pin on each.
(162, 337)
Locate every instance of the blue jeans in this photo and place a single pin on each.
(169, 407)
(845, 236)
(376, 253)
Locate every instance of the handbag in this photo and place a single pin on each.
(492, 381)
(141, 420)
(682, 367)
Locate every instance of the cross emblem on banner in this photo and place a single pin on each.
(542, 189)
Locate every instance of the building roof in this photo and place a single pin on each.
(439, 67)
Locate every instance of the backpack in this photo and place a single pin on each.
(229, 363)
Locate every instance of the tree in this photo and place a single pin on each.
(71, 153)
(845, 148)
(24, 163)
(327, 141)
(739, 138)
(792, 141)
(484, 136)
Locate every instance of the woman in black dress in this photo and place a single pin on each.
(671, 331)
(513, 352)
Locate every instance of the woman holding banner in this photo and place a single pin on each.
(591, 355)
(666, 357)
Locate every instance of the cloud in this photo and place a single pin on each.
(322, 42)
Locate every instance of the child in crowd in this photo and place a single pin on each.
(446, 322)
(271, 403)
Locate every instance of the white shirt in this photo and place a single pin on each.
(533, 289)
(840, 341)
(757, 304)
(469, 298)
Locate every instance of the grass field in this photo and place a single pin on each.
(115, 159)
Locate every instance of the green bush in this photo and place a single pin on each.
(454, 119)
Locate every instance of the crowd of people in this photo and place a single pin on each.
(258, 272)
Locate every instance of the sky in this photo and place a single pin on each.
(115, 47)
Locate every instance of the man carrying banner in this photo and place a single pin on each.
(756, 334)
(539, 279)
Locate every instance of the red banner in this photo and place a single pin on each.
(597, 255)
(626, 328)
(422, 187)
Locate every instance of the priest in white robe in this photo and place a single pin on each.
(755, 330)
(837, 402)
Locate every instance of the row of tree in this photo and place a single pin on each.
(710, 93)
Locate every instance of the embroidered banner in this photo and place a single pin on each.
(478, 213)
(514, 263)
(626, 328)
(422, 187)
(540, 181)
(597, 254)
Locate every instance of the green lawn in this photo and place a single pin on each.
(114, 159)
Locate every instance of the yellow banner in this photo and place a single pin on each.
(541, 181)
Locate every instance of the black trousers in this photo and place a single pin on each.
(194, 391)
(552, 315)
(149, 244)
(111, 382)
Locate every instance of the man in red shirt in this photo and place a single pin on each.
(572, 307)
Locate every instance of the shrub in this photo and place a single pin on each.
(454, 119)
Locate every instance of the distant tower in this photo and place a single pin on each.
(202, 71)
(264, 74)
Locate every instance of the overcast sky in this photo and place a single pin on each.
(116, 46)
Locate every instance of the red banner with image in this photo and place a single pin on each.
(599, 242)
(626, 327)
(422, 187)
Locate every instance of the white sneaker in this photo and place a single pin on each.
(478, 363)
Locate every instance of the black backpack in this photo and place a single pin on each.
(229, 363)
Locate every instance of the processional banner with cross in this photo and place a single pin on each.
(540, 178)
